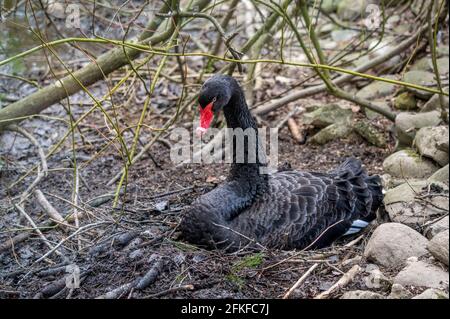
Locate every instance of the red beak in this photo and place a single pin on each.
(206, 117)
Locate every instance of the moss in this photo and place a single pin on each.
(251, 261)
(413, 154)
(248, 262)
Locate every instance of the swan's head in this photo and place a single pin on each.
(214, 96)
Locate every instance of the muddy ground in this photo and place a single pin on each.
(141, 234)
(135, 244)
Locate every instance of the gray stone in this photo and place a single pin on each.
(438, 246)
(326, 115)
(403, 205)
(423, 64)
(443, 50)
(330, 133)
(440, 176)
(377, 280)
(422, 78)
(391, 244)
(351, 9)
(343, 35)
(435, 103)
(437, 227)
(399, 292)
(371, 115)
(407, 163)
(362, 294)
(405, 101)
(422, 274)
(426, 64)
(377, 89)
(370, 133)
(432, 293)
(329, 6)
(136, 254)
(432, 142)
(407, 124)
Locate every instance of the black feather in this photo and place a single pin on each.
(288, 209)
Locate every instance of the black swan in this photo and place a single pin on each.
(286, 210)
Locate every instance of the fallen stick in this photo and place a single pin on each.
(41, 173)
(344, 281)
(139, 283)
(38, 231)
(295, 130)
(49, 209)
(300, 281)
(11, 242)
(266, 108)
(170, 291)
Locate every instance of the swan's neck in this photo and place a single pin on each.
(247, 160)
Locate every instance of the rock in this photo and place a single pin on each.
(437, 227)
(407, 163)
(331, 133)
(440, 176)
(422, 78)
(392, 243)
(422, 274)
(370, 133)
(329, 6)
(443, 65)
(426, 64)
(362, 294)
(438, 246)
(443, 50)
(405, 101)
(423, 64)
(377, 89)
(326, 115)
(343, 35)
(371, 115)
(432, 293)
(399, 292)
(432, 142)
(377, 280)
(351, 10)
(403, 205)
(435, 103)
(352, 261)
(136, 254)
(407, 124)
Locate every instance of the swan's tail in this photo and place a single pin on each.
(368, 192)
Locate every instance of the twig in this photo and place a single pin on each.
(345, 280)
(139, 283)
(433, 43)
(300, 281)
(38, 231)
(266, 108)
(41, 173)
(295, 131)
(49, 209)
(170, 291)
(251, 240)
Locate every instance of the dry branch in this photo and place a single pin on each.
(406, 44)
(48, 208)
(300, 281)
(86, 76)
(344, 281)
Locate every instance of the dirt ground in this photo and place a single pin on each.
(136, 244)
(141, 238)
